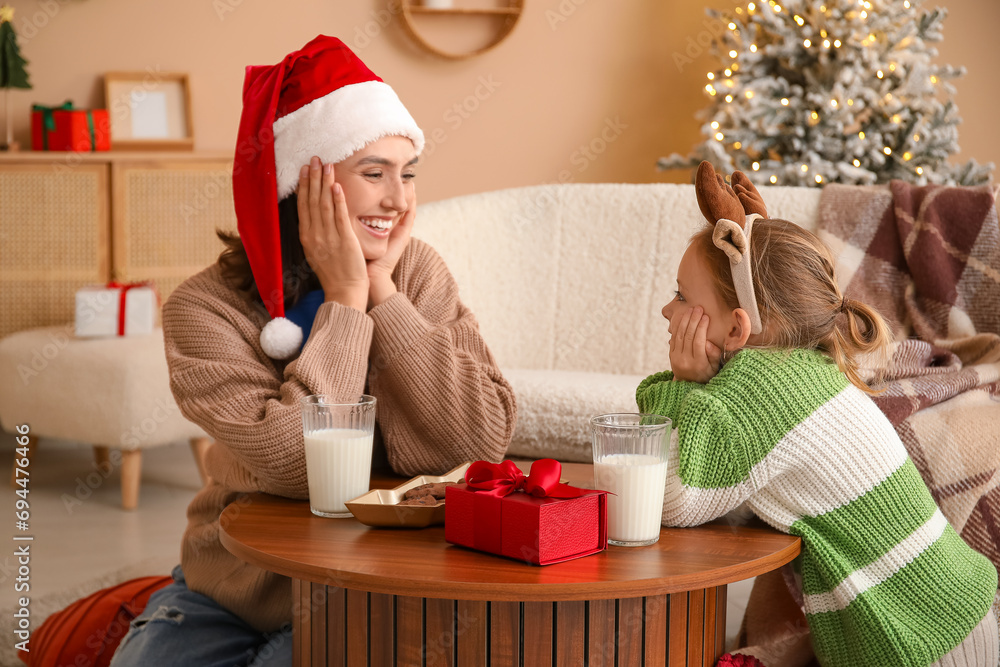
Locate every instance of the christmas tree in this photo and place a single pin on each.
(12, 72)
(820, 91)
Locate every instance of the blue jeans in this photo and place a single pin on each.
(187, 629)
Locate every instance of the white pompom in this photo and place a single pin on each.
(281, 338)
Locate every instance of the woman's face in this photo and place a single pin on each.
(695, 287)
(378, 187)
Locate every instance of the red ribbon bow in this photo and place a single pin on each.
(502, 479)
(125, 287)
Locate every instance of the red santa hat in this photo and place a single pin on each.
(321, 100)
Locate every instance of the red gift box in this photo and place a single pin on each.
(66, 129)
(535, 519)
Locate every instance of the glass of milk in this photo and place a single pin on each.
(338, 432)
(630, 462)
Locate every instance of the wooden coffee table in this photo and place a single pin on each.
(371, 596)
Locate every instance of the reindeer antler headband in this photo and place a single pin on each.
(733, 209)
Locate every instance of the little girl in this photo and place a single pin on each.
(770, 409)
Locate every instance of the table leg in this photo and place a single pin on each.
(656, 612)
(601, 633)
(473, 623)
(409, 630)
(383, 625)
(368, 629)
(357, 627)
(677, 629)
(336, 629)
(301, 619)
(570, 633)
(318, 607)
(505, 634)
(439, 633)
(538, 630)
(630, 631)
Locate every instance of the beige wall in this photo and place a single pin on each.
(574, 74)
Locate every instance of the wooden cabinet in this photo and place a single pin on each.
(68, 220)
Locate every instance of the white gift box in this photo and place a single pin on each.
(98, 310)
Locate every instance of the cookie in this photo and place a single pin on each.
(425, 500)
(418, 491)
(435, 489)
(438, 489)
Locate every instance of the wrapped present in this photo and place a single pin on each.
(64, 128)
(116, 309)
(532, 518)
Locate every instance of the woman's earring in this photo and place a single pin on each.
(723, 358)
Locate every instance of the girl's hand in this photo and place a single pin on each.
(380, 270)
(331, 247)
(693, 358)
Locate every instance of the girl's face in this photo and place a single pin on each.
(378, 187)
(695, 287)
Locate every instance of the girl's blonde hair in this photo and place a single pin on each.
(799, 301)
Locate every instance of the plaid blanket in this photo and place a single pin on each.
(928, 259)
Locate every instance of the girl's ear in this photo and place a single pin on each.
(739, 330)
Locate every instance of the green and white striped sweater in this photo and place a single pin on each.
(886, 580)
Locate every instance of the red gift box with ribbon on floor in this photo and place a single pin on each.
(532, 518)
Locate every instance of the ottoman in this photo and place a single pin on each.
(113, 393)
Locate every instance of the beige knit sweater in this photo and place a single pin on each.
(441, 401)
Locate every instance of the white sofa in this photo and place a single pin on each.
(567, 282)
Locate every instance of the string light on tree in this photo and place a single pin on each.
(845, 94)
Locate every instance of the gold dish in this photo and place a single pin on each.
(379, 507)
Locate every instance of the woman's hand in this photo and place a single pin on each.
(331, 247)
(380, 270)
(693, 358)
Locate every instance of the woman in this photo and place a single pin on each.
(325, 203)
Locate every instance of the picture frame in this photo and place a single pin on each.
(149, 111)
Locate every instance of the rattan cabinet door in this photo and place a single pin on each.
(54, 228)
(165, 214)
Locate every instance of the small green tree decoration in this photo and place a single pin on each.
(12, 72)
(831, 91)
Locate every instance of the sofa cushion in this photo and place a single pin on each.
(554, 410)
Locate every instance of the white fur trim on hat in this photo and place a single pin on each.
(338, 125)
(281, 338)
